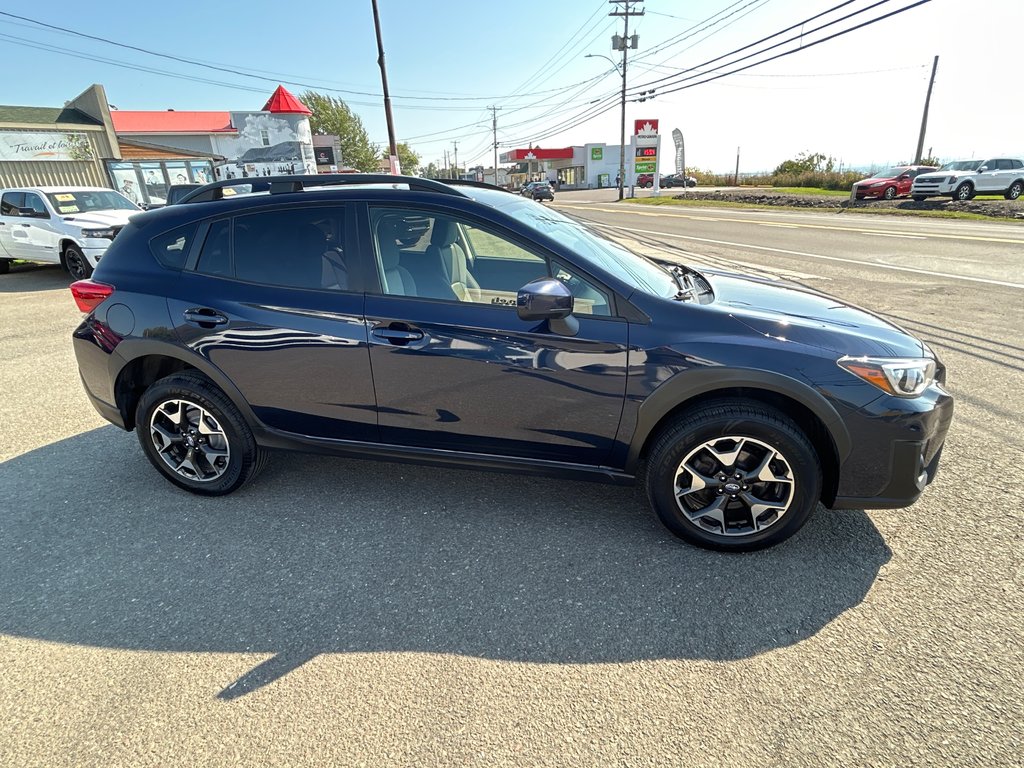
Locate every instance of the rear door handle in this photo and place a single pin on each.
(204, 317)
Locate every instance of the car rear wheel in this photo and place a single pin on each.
(195, 436)
(77, 265)
(5, 266)
(890, 193)
(964, 192)
(1014, 191)
(734, 476)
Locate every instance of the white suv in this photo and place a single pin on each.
(70, 226)
(963, 179)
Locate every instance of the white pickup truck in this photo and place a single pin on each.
(70, 226)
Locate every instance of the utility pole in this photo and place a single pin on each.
(494, 128)
(456, 159)
(395, 167)
(447, 174)
(924, 117)
(623, 44)
(736, 177)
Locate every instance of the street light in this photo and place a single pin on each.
(622, 135)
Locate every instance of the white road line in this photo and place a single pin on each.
(894, 267)
(887, 234)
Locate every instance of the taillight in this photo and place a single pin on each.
(89, 294)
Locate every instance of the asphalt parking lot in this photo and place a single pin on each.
(360, 613)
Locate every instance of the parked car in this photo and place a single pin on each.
(508, 336)
(963, 179)
(891, 182)
(70, 226)
(678, 180)
(645, 180)
(539, 190)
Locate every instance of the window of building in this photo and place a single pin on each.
(265, 138)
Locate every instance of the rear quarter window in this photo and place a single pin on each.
(171, 248)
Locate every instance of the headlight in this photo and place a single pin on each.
(878, 184)
(903, 377)
(107, 232)
(952, 179)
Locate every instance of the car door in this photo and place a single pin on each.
(988, 180)
(455, 368)
(42, 231)
(267, 297)
(10, 204)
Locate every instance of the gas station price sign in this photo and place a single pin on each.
(647, 153)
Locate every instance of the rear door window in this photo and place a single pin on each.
(11, 202)
(171, 248)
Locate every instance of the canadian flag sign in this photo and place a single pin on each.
(645, 127)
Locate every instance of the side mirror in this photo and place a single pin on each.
(548, 299)
(904, 177)
(32, 213)
(983, 169)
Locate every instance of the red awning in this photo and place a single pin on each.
(283, 102)
(515, 155)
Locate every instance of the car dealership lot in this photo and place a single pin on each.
(364, 613)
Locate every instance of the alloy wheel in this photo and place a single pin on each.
(190, 440)
(734, 486)
(78, 267)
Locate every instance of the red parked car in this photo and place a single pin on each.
(891, 182)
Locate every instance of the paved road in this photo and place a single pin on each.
(353, 613)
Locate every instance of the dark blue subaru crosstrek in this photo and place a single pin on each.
(401, 318)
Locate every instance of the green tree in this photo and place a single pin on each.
(333, 117)
(431, 171)
(408, 159)
(807, 162)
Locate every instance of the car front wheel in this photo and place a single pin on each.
(964, 192)
(195, 436)
(77, 265)
(734, 476)
(890, 193)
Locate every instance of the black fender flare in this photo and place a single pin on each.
(687, 385)
(133, 349)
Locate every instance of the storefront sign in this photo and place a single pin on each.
(645, 128)
(324, 155)
(646, 167)
(44, 146)
(597, 153)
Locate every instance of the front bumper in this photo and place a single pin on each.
(898, 453)
(864, 192)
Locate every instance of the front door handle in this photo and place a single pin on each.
(204, 317)
(398, 334)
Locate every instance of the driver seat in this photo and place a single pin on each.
(444, 249)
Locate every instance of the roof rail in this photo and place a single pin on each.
(277, 185)
(477, 184)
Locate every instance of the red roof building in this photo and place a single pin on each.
(282, 102)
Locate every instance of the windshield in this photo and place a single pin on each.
(890, 173)
(81, 201)
(962, 165)
(587, 243)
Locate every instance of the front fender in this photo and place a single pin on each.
(687, 385)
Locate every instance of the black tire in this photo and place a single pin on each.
(1014, 190)
(76, 263)
(5, 266)
(964, 192)
(245, 458)
(717, 422)
(890, 193)
(920, 198)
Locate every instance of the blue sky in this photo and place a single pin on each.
(858, 97)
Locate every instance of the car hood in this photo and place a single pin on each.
(113, 218)
(936, 176)
(876, 180)
(794, 314)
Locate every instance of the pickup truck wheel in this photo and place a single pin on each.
(964, 192)
(890, 193)
(1014, 191)
(5, 266)
(77, 265)
(733, 475)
